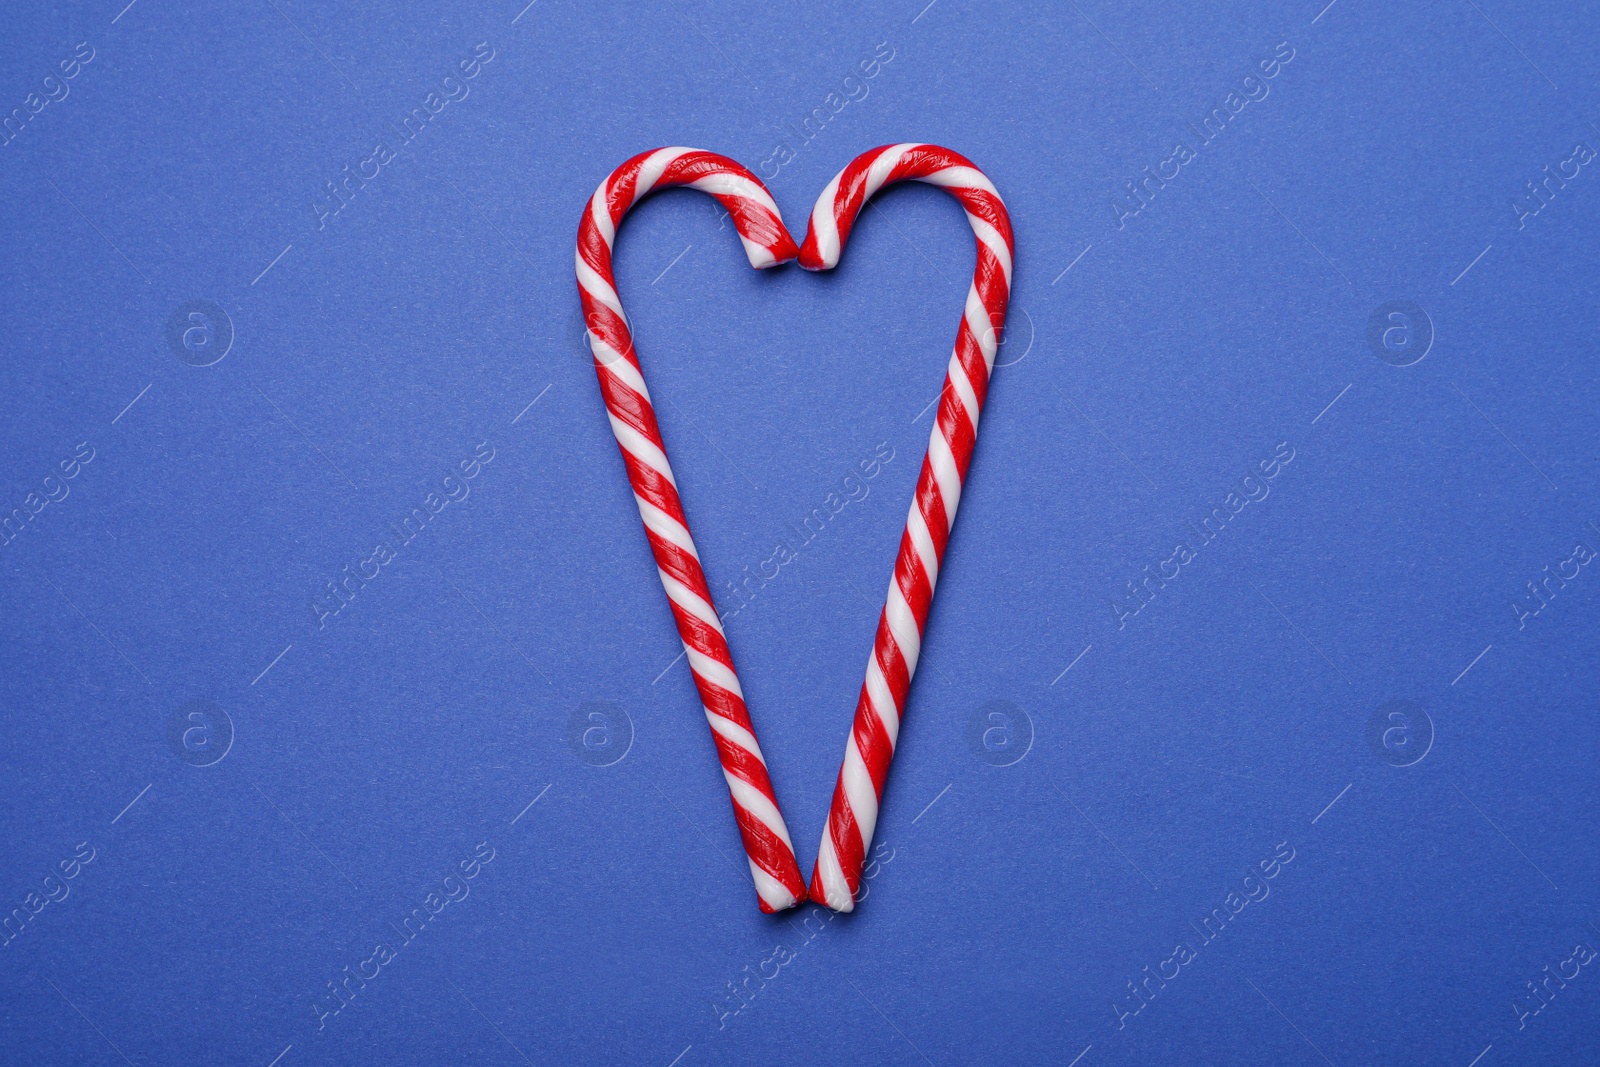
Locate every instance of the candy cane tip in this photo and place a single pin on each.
(819, 895)
(843, 907)
(773, 909)
(763, 256)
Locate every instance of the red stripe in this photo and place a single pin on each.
(958, 430)
(970, 356)
(872, 741)
(915, 580)
(930, 502)
(847, 843)
(601, 321)
(892, 662)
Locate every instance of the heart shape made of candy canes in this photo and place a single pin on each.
(853, 813)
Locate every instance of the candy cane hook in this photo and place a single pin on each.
(853, 814)
(633, 421)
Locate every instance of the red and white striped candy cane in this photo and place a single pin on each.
(766, 243)
(854, 813)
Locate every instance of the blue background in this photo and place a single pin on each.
(370, 756)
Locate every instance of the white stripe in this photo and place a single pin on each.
(903, 625)
(943, 462)
(608, 357)
(739, 736)
(858, 789)
(982, 326)
(598, 288)
(641, 448)
(962, 178)
(964, 391)
(650, 170)
(712, 671)
(824, 227)
(994, 243)
(601, 214)
(878, 170)
(770, 889)
(751, 799)
(882, 699)
(665, 526)
(922, 541)
(620, 369)
(834, 888)
(724, 183)
(759, 255)
(689, 600)
(760, 195)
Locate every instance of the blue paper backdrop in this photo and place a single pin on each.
(1256, 720)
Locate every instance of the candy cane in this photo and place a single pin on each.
(854, 813)
(766, 243)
